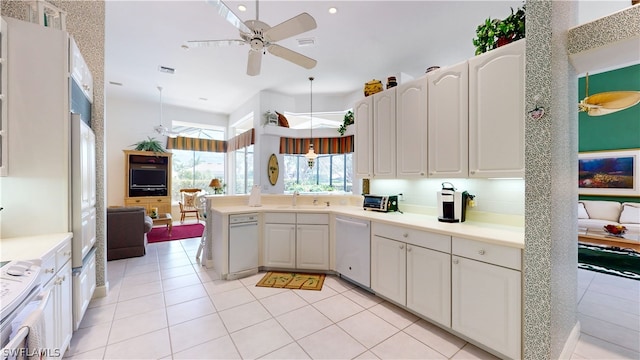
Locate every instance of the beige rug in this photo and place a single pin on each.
(292, 280)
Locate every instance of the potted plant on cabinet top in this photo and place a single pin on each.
(494, 33)
(348, 120)
(151, 144)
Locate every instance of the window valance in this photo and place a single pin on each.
(243, 140)
(195, 144)
(339, 145)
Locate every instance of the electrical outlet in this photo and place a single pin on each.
(401, 197)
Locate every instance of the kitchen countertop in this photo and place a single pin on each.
(511, 236)
(31, 247)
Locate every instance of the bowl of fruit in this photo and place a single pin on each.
(615, 230)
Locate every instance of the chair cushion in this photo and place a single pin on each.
(603, 210)
(630, 213)
(582, 212)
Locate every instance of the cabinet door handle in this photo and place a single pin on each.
(137, 201)
(51, 270)
(422, 173)
(481, 251)
(409, 248)
(159, 200)
(472, 171)
(401, 246)
(406, 235)
(455, 261)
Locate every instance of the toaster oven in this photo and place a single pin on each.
(382, 203)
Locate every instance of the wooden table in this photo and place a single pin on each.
(164, 219)
(600, 237)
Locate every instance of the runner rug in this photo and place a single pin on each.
(178, 232)
(292, 280)
(609, 260)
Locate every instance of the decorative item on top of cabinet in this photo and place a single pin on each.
(372, 87)
(391, 82)
(348, 120)
(494, 33)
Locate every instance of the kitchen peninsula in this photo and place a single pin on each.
(464, 277)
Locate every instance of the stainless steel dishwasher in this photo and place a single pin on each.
(353, 249)
(243, 244)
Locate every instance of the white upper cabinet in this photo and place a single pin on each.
(384, 134)
(363, 119)
(79, 70)
(496, 112)
(448, 108)
(412, 119)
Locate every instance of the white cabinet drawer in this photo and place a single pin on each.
(280, 218)
(48, 268)
(63, 254)
(490, 253)
(317, 219)
(425, 239)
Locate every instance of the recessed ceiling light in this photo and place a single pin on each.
(333, 10)
(203, 99)
(115, 83)
(242, 8)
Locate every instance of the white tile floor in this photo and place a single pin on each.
(166, 306)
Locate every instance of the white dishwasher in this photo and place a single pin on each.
(353, 249)
(243, 245)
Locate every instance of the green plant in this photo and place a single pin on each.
(348, 120)
(495, 32)
(151, 144)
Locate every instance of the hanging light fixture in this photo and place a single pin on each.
(311, 155)
(161, 129)
(607, 102)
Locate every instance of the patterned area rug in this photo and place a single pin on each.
(609, 260)
(292, 281)
(178, 232)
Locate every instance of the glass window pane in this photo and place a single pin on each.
(240, 184)
(194, 169)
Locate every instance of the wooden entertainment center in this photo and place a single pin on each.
(147, 180)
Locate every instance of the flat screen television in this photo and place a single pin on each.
(148, 178)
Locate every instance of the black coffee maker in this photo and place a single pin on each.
(452, 204)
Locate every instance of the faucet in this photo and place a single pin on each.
(293, 199)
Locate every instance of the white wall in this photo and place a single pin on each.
(129, 121)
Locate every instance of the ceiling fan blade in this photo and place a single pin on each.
(290, 55)
(213, 43)
(294, 26)
(228, 15)
(253, 65)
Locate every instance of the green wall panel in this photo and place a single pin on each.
(619, 130)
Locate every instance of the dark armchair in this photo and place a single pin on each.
(127, 229)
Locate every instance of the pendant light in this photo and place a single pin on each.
(311, 155)
(607, 102)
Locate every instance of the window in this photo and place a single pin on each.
(329, 173)
(195, 169)
(244, 170)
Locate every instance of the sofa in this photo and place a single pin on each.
(598, 213)
(127, 229)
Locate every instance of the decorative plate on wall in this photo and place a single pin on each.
(272, 169)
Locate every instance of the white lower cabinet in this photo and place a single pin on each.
(57, 312)
(296, 241)
(486, 297)
(312, 247)
(429, 283)
(389, 269)
(413, 276)
(280, 245)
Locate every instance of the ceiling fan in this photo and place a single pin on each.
(161, 129)
(262, 38)
(607, 102)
